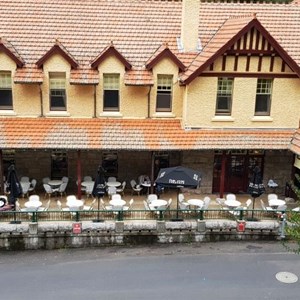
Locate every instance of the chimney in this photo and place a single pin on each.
(189, 40)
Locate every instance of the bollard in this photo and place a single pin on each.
(241, 225)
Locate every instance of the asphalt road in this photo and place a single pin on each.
(231, 270)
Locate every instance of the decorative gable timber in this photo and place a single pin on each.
(224, 41)
(10, 51)
(164, 52)
(58, 48)
(108, 51)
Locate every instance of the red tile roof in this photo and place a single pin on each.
(131, 134)
(232, 30)
(295, 143)
(136, 27)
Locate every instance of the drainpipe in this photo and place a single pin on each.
(95, 102)
(41, 100)
(223, 168)
(152, 172)
(1, 173)
(148, 115)
(78, 175)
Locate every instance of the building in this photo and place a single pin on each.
(136, 85)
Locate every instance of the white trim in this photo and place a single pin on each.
(111, 114)
(163, 115)
(222, 119)
(262, 119)
(8, 112)
(58, 114)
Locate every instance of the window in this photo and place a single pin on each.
(224, 96)
(164, 93)
(58, 91)
(111, 87)
(263, 97)
(5, 91)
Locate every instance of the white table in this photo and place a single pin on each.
(113, 183)
(117, 202)
(157, 203)
(274, 203)
(33, 204)
(55, 183)
(232, 203)
(74, 204)
(195, 202)
(87, 183)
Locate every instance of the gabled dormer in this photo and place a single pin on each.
(110, 50)
(242, 46)
(164, 52)
(7, 48)
(58, 48)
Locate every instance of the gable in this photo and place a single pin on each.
(241, 37)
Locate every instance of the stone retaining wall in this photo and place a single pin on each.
(63, 234)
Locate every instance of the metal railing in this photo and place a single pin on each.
(167, 215)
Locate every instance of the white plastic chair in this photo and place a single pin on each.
(111, 179)
(24, 179)
(87, 178)
(89, 207)
(151, 197)
(272, 196)
(48, 190)
(180, 197)
(264, 207)
(62, 189)
(45, 179)
(111, 190)
(130, 205)
(135, 188)
(25, 188)
(89, 189)
(121, 189)
(32, 186)
(230, 197)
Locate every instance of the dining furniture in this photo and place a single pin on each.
(195, 202)
(113, 183)
(33, 204)
(232, 203)
(74, 204)
(155, 204)
(55, 183)
(274, 203)
(117, 202)
(87, 183)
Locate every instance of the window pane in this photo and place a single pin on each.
(57, 83)
(263, 97)
(5, 91)
(224, 96)
(164, 93)
(111, 100)
(111, 81)
(5, 99)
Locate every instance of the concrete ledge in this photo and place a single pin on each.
(46, 235)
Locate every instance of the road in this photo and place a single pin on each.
(230, 270)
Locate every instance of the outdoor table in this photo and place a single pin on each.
(274, 203)
(195, 202)
(33, 204)
(113, 183)
(117, 202)
(157, 203)
(87, 183)
(55, 183)
(74, 204)
(232, 203)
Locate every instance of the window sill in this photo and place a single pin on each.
(163, 115)
(5, 112)
(57, 114)
(262, 119)
(222, 119)
(115, 114)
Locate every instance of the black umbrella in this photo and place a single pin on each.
(14, 188)
(256, 186)
(99, 188)
(177, 177)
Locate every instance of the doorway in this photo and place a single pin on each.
(238, 166)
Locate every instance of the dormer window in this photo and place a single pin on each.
(6, 102)
(111, 89)
(58, 91)
(164, 93)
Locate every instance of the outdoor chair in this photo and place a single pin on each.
(45, 179)
(87, 178)
(111, 179)
(151, 197)
(130, 205)
(24, 179)
(121, 189)
(89, 207)
(48, 190)
(135, 187)
(65, 179)
(272, 196)
(180, 197)
(230, 197)
(89, 189)
(104, 206)
(45, 208)
(111, 190)
(25, 188)
(62, 189)
(264, 207)
(32, 186)
(34, 198)
(116, 197)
